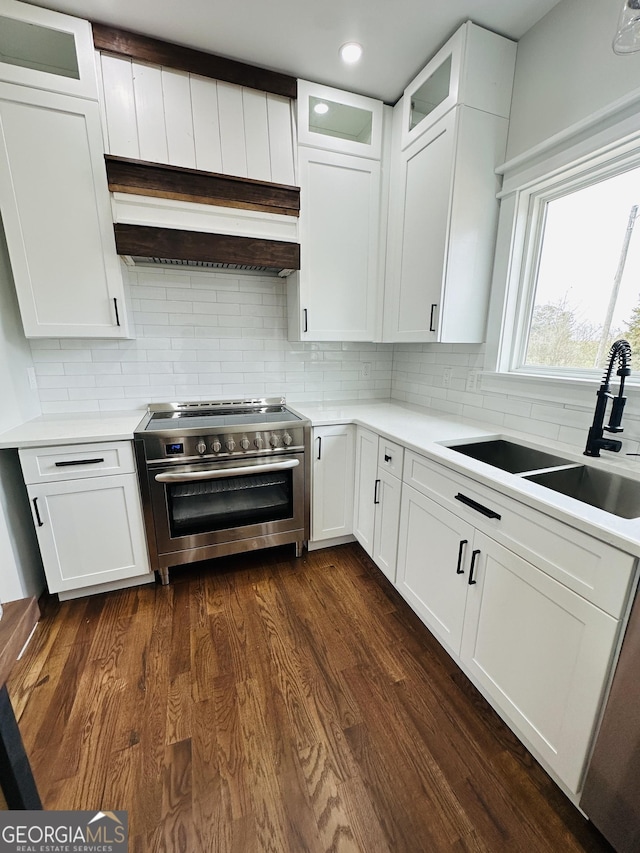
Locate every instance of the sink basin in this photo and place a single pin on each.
(602, 489)
(508, 456)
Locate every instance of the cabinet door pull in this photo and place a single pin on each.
(306, 325)
(319, 447)
(115, 305)
(459, 569)
(490, 513)
(387, 458)
(37, 512)
(433, 308)
(376, 496)
(474, 557)
(68, 462)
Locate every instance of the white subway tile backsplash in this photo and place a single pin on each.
(201, 336)
(211, 335)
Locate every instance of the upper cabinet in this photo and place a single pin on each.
(450, 131)
(335, 295)
(54, 200)
(475, 67)
(46, 50)
(57, 219)
(339, 121)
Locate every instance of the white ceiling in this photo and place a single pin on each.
(302, 38)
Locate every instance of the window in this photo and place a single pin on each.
(580, 284)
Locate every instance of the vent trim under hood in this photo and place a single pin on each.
(137, 261)
(144, 244)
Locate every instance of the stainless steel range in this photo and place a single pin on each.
(218, 478)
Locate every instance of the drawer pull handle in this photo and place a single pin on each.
(387, 458)
(37, 512)
(376, 496)
(319, 447)
(474, 557)
(69, 462)
(490, 513)
(459, 569)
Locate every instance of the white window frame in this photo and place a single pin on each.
(527, 189)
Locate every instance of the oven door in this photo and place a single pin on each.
(214, 503)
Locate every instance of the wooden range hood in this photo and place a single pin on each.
(182, 247)
(168, 239)
(179, 246)
(199, 249)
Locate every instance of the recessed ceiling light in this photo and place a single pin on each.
(351, 52)
(321, 108)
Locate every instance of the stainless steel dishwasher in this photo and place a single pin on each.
(611, 794)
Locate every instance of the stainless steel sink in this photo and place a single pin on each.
(509, 456)
(602, 489)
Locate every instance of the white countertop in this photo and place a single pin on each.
(73, 429)
(411, 426)
(427, 434)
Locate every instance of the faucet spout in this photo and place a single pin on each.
(620, 352)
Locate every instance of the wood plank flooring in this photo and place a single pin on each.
(263, 703)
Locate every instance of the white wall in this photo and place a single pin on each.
(21, 572)
(203, 335)
(566, 70)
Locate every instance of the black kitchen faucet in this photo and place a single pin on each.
(621, 352)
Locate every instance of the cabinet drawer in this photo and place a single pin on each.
(390, 457)
(76, 461)
(596, 571)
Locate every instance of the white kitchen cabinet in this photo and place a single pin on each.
(539, 651)
(387, 519)
(339, 121)
(56, 214)
(46, 50)
(366, 479)
(475, 67)
(377, 498)
(433, 545)
(332, 482)
(442, 224)
(334, 296)
(88, 520)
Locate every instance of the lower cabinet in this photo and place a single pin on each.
(87, 515)
(539, 652)
(377, 498)
(333, 473)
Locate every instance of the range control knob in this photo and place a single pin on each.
(201, 447)
(259, 442)
(274, 440)
(245, 444)
(230, 445)
(286, 439)
(216, 446)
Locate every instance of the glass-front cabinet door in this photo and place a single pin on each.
(434, 91)
(46, 50)
(339, 121)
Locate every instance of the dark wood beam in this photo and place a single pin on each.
(146, 49)
(141, 177)
(172, 243)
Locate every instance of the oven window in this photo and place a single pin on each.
(208, 505)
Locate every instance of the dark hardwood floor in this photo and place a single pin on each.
(264, 703)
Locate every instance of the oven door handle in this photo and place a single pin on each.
(191, 476)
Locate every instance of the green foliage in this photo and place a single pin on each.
(558, 339)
